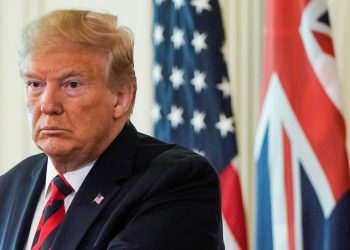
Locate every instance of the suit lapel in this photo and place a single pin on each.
(105, 178)
(34, 188)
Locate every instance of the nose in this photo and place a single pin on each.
(51, 101)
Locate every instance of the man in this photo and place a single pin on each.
(99, 184)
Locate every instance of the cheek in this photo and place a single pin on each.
(98, 116)
(31, 123)
(32, 116)
(99, 107)
(30, 105)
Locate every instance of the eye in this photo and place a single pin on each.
(73, 84)
(35, 84)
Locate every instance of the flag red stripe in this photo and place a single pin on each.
(325, 42)
(318, 116)
(288, 176)
(232, 207)
(296, 52)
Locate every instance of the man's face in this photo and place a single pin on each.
(71, 109)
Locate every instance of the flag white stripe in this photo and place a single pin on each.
(298, 226)
(323, 64)
(229, 240)
(277, 189)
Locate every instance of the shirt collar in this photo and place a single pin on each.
(75, 178)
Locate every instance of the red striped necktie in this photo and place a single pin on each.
(53, 214)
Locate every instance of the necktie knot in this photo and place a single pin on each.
(60, 188)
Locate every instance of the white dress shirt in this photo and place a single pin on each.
(75, 179)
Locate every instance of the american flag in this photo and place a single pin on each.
(98, 199)
(302, 166)
(193, 96)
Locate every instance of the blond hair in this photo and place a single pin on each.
(83, 29)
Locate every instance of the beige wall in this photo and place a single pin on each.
(243, 20)
(243, 24)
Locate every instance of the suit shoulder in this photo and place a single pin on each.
(149, 141)
(160, 152)
(173, 161)
(182, 158)
(24, 167)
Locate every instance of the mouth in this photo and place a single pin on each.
(52, 130)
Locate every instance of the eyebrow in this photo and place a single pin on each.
(70, 74)
(60, 77)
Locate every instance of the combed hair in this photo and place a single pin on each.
(83, 29)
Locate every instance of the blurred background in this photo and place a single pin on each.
(244, 25)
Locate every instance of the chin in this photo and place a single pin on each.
(55, 149)
(56, 153)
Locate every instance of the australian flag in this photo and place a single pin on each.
(302, 167)
(193, 96)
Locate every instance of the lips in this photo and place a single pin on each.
(52, 130)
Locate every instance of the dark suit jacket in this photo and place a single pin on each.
(156, 196)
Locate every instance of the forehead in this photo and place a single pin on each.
(65, 61)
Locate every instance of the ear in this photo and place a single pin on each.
(123, 100)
